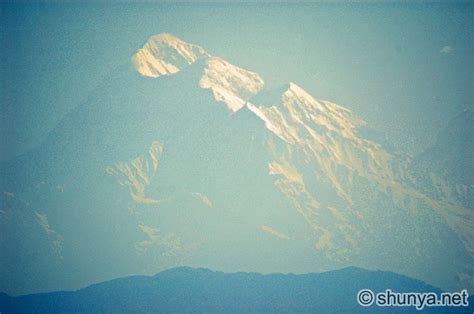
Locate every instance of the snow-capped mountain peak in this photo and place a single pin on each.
(165, 54)
(303, 106)
(157, 173)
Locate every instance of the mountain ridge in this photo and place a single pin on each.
(185, 289)
(288, 185)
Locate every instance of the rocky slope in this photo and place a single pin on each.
(182, 158)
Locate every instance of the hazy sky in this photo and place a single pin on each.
(405, 68)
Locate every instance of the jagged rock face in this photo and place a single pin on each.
(138, 173)
(230, 84)
(207, 168)
(165, 54)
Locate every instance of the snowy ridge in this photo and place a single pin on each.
(295, 105)
(324, 134)
(230, 84)
(165, 54)
(303, 106)
(161, 171)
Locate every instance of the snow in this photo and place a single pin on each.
(165, 54)
(229, 83)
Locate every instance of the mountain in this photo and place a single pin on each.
(447, 167)
(182, 290)
(182, 158)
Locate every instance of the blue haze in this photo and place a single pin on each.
(384, 61)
